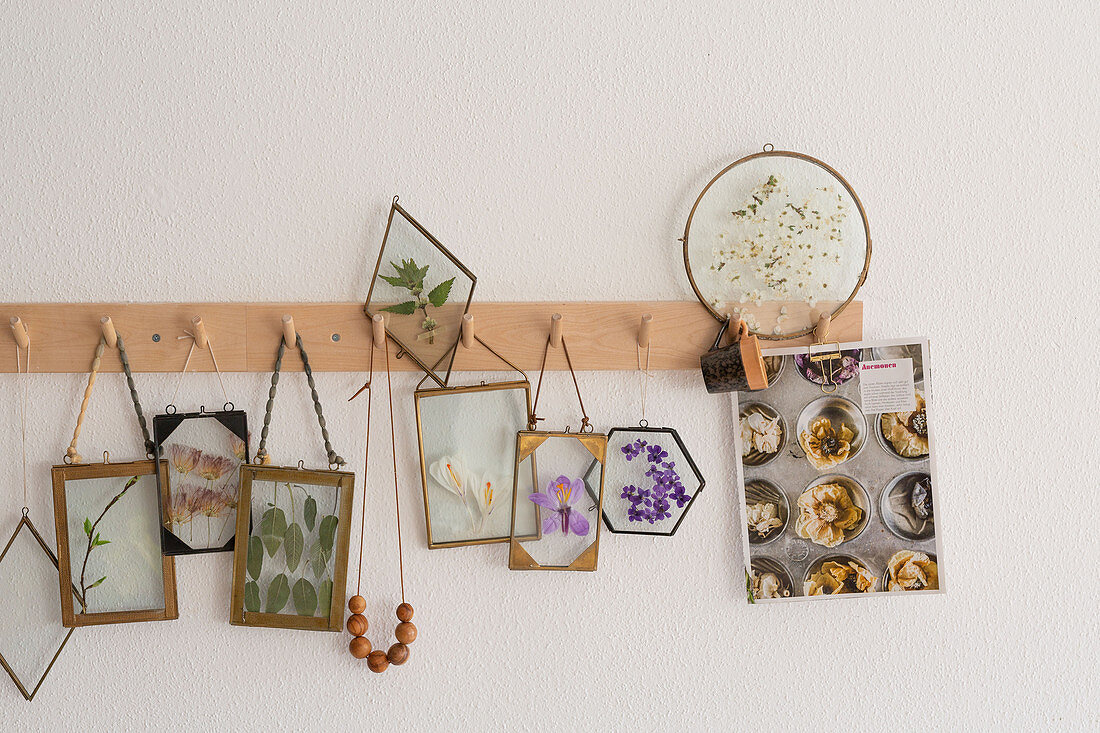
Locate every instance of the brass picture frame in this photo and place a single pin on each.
(769, 151)
(527, 444)
(439, 392)
(67, 473)
(406, 345)
(239, 615)
(25, 523)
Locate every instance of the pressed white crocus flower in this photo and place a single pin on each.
(450, 473)
(487, 494)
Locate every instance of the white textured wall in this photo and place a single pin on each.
(199, 150)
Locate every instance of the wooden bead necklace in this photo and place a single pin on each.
(360, 646)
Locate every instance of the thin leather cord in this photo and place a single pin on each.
(23, 417)
(190, 352)
(645, 376)
(396, 497)
(366, 462)
(261, 454)
(71, 456)
(533, 419)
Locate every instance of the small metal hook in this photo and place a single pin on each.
(170, 409)
(301, 465)
(768, 147)
(400, 353)
(643, 423)
(106, 457)
(228, 407)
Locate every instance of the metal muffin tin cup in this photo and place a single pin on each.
(856, 493)
(838, 557)
(884, 583)
(763, 491)
(775, 367)
(902, 485)
(889, 447)
(755, 459)
(770, 565)
(838, 410)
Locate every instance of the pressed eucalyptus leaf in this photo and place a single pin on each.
(318, 559)
(252, 597)
(277, 593)
(293, 544)
(324, 597)
(328, 532)
(310, 513)
(255, 557)
(305, 598)
(272, 529)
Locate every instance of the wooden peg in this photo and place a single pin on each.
(555, 330)
(736, 327)
(109, 334)
(290, 336)
(643, 330)
(468, 330)
(201, 339)
(378, 324)
(821, 330)
(20, 332)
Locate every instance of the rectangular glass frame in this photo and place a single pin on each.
(527, 443)
(344, 483)
(413, 353)
(236, 422)
(69, 618)
(421, 394)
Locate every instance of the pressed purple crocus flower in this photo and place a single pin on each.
(561, 494)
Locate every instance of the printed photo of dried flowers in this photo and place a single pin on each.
(204, 453)
(831, 510)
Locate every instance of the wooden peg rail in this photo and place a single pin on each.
(245, 336)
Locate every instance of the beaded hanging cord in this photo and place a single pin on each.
(71, 455)
(360, 646)
(334, 461)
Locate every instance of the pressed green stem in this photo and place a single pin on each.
(91, 535)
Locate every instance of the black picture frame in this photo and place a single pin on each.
(236, 422)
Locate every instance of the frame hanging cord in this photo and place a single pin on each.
(71, 455)
(396, 493)
(488, 348)
(150, 447)
(261, 454)
(645, 378)
(190, 353)
(23, 415)
(533, 419)
(366, 462)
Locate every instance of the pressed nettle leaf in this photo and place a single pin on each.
(278, 593)
(252, 597)
(440, 293)
(327, 533)
(305, 598)
(324, 597)
(255, 558)
(293, 544)
(318, 559)
(310, 513)
(403, 309)
(272, 529)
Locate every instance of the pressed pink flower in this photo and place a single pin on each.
(213, 467)
(183, 457)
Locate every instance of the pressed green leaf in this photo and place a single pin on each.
(310, 513)
(324, 598)
(98, 542)
(255, 558)
(252, 597)
(272, 529)
(87, 526)
(440, 293)
(293, 544)
(397, 282)
(318, 559)
(305, 598)
(278, 593)
(93, 585)
(327, 533)
(402, 309)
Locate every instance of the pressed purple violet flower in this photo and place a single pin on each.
(633, 494)
(632, 450)
(659, 510)
(635, 513)
(679, 496)
(561, 494)
(656, 453)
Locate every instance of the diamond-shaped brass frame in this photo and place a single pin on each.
(26, 522)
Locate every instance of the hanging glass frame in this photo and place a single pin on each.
(423, 291)
(107, 519)
(36, 580)
(653, 481)
(777, 238)
(556, 463)
(203, 452)
(291, 572)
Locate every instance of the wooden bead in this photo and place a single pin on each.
(357, 604)
(405, 632)
(404, 612)
(359, 647)
(357, 624)
(377, 661)
(398, 654)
